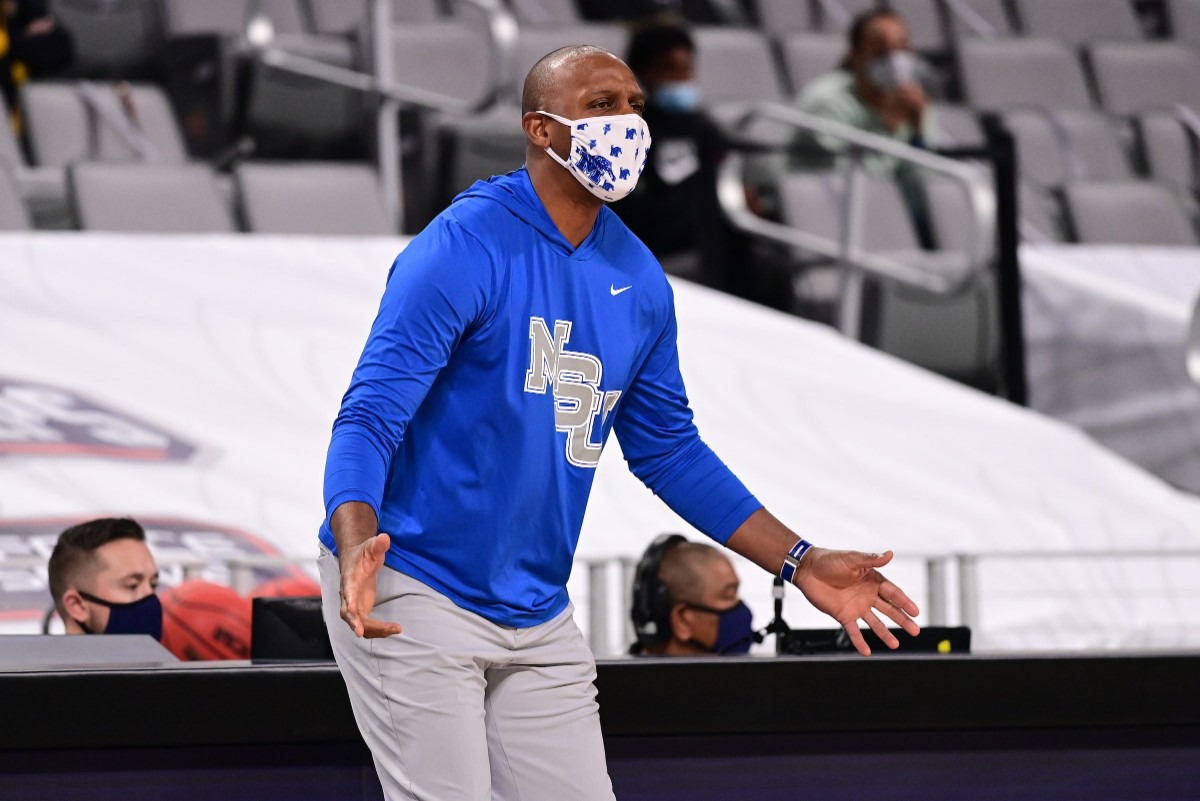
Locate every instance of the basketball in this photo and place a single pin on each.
(287, 587)
(205, 621)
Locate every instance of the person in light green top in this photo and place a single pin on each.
(876, 89)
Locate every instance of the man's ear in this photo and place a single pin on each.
(537, 130)
(680, 622)
(75, 606)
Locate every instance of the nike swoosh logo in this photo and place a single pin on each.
(613, 289)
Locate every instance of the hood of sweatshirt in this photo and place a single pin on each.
(515, 192)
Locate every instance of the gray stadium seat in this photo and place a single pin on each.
(948, 212)
(13, 215)
(148, 198)
(62, 128)
(1128, 213)
(229, 17)
(999, 74)
(734, 68)
(835, 16)
(953, 335)
(43, 189)
(986, 19)
(10, 151)
(535, 42)
(924, 20)
(312, 198)
(1054, 148)
(444, 57)
(545, 12)
(810, 201)
(1136, 77)
(350, 16)
(778, 17)
(1077, 22)
(956, 126)
(1041, 215)
(810, 55)
(113, 38)
(1171, 156)
(1185, 21)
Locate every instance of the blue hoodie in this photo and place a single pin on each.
(498, 363)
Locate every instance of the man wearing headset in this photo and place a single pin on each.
(685, 602)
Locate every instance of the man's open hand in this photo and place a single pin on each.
(847, 586)
(360, 566)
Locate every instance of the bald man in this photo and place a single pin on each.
(686, 602)
(515, 332)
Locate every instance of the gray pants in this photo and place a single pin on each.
(460, 709)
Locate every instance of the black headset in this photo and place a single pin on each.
(651, 606)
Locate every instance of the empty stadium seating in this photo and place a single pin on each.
(149, 198)
(70, 121)
(311, 198)
(1077, 22)
(13, 215)
(1000, 74)
(1128, 213)
(1136, 77)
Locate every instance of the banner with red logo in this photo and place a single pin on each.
(191, 382)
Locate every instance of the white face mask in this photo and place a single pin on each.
(607, 153)
(896, 69)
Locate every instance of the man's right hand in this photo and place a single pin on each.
(360, 566)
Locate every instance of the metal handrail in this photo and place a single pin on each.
(1193, 344)
(380, 84)
(502, 27)
(980, 198)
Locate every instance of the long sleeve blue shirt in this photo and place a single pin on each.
(500, 360)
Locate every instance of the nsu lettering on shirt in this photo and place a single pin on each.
(575, 380)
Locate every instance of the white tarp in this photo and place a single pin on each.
(1106, 340)
(195, 379)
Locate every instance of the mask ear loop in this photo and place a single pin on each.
(570, 126)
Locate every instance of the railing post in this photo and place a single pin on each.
(598, 608)
(968, 590)
(936, 589)
(241, 576)
(387, 122)
(850, 311)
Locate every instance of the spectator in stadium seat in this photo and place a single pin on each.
(685, 602)
(674, 204)
(103, 579)
(32, 44)
(674, 208)
(877, 89)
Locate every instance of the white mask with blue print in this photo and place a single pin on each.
(607, 153)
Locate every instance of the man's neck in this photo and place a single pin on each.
(572, 208)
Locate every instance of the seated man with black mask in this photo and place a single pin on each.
(685, 602)
(674, 208)
(103, 579)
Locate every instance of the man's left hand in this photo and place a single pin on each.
(847, 586)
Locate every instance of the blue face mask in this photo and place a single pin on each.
(144, 616)
(678, 96)
(735, 632)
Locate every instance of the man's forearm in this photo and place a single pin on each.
(353, 523)
(764, 540)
